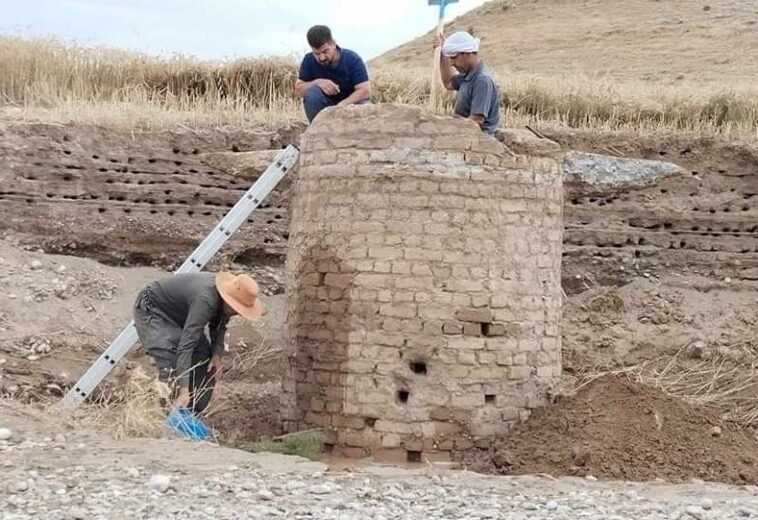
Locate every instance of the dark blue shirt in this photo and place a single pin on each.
(478, 95)
(347, 73)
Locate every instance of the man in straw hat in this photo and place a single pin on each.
(171, 316)
(478, 98)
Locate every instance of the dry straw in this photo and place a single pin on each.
(72, 82)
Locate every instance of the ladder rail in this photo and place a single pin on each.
(196, 261)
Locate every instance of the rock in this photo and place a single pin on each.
(132, 472)
(35, 265)
(159, 483)
(60, 438)
(321, 489)
(5, 434)
(265, 494)
(716, 431)
(591, 478)
(78, 513)
(706, 504)
(600, 173)
(696, 350)
(695, 512)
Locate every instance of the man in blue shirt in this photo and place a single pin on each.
(330, 75)
(478, 98)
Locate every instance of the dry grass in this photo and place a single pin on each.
(49, 80)
(131, 410)
(728, 387)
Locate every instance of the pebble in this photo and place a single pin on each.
(132, 472)
(265, 494)
(159, 483)
(695, 512)
(716, 431)
(35, 265)
(706, 504)
(321, 489)
(5, 434)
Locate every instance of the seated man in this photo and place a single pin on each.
(330, 75)
(478, 97)
(171, 315)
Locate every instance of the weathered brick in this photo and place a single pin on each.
(385, 253)
(399, 310)
(472, 329)
(482, 315)
(338, 280)
(452, 328)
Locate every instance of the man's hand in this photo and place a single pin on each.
(437, 41)
(216, 367)
(328, 87)
(184, 398)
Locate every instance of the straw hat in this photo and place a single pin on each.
(240, 292)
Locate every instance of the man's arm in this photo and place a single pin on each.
(306, 79)
(329, 87)
(446, 72)
(481, 99)
(200, 314)
(362, 91)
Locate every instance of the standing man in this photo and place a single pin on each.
(478, 98)
(330, 75)
(171, 316)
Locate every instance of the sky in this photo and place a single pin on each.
(225, 28)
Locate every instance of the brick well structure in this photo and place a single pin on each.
(424, 283)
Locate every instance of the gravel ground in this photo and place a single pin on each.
(50, 472)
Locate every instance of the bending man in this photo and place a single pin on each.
(478, 98)
(330, 75)
(171, 316)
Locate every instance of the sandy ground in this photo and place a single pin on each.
(53, 472)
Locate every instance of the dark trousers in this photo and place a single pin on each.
(160, 337)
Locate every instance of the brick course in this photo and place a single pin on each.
(423, 276)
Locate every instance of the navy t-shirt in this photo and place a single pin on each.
(349, 72)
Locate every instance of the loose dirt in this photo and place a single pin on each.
(617, 429)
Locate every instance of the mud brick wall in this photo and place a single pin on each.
(424, 283)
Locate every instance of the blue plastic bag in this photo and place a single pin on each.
(184, 422)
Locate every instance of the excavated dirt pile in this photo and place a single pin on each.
(616, 429)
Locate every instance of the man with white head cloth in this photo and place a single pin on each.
(478, 98)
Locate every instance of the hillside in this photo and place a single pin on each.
(650, 40)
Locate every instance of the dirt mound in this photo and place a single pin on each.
(617, 429)
(632, 40)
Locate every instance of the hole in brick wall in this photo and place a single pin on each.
(489, 398)
(195, 151)
(178, 163)
(370, 421)
(235, 148)
(152, 161)
(402, 396)
(101, 210)
(175, 149)
(96, 157)
(418, 367)
(67, 152)
(412, 456)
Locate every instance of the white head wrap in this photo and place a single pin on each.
(460, 41)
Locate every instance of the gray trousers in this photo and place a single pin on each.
(160, 337)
